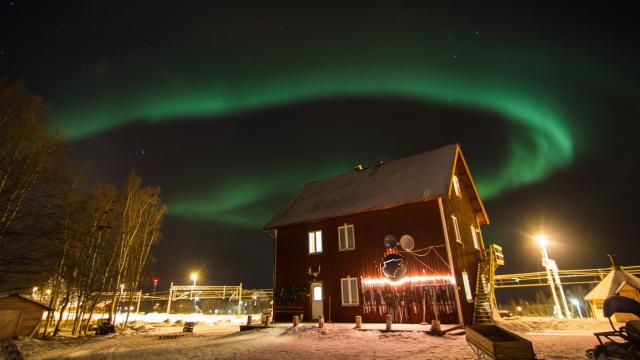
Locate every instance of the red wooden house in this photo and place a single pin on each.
(400, 238)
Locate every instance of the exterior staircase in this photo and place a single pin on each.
(484, 308)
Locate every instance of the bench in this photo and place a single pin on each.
(188, 327)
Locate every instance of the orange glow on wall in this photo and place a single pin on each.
(413, 280)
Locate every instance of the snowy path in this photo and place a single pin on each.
(308, 343)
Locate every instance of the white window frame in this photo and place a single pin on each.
(474, 236)
(315, 242)
(456, 186)
(345, 228)
(467, 286)
(354, 299)
(456, 228)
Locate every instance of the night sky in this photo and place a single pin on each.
(232, 107)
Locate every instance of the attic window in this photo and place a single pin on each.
(456, 186)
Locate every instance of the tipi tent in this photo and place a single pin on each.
(617, 282)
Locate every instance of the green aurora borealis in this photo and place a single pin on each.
(528, 84)
(230, 107)
(545, 146)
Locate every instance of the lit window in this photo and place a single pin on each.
(317, 293)
(346, 238)
(456, 185)
(315, 242)
(456, 228)
(467, 287)
(474, 235)
(349, 291)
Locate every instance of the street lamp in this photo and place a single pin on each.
(194, 277)
(576, 303)
(543, 241)
(553, 278)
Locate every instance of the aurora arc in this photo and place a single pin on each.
(545, 146)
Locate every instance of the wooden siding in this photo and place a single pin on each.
(465, 255)
(422, 221)
(31, 313)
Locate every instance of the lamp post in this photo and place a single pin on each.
(547, 263)
(155, 285)
(194, 277)
(576, 303)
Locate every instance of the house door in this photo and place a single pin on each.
(9, 320)
(316, 300)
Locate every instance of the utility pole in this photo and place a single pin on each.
(170, 298)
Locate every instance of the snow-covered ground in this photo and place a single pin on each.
(564, 340)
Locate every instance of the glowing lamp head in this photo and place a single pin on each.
(542, 240)
(194, 276)
(518, 308)
(155, 281)
(575, 301)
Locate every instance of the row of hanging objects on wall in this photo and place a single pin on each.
(423, 302)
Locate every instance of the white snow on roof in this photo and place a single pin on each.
(418, 177)
(612, 284)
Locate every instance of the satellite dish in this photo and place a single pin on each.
(390, 242)
(393, 267)
(407, 243)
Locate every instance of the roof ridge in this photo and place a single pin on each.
(385, 162)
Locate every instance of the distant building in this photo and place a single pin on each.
(400, 238)
(617, 282)
(20, 316)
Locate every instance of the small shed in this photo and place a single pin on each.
(20, 316)
(617, 282)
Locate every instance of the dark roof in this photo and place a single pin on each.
(26, 298)
(415, 178)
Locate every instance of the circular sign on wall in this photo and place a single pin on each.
(393, 267)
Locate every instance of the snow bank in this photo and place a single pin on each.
(335, 341)
(197, 318)
(550, 324)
